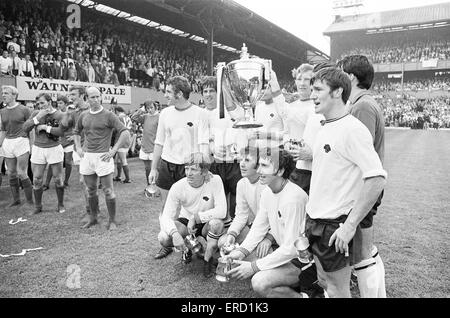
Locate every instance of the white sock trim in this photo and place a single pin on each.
(365, 264)
(374, 251)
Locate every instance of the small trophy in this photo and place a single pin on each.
(152, 191)
(192, 243)
(225, 264)
(302, 246)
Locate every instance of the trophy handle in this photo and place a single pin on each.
(264, 80)
(220, 68)
(227, 97)
(266, 76)
(221, 97)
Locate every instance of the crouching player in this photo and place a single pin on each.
(248, 194)
(282, 210)
(200, 198)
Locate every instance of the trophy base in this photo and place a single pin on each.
(222, 279)
(246, 124)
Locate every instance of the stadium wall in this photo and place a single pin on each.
(418, 66)
(422, 94)
(138, 94)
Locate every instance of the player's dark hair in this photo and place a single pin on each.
(180, 84)
(360, 66)
(46, 96)
(62, 98)
(81, 89)
(149, 103)
(335, 78)
(280, 158)
(208, 82)
(322, 65)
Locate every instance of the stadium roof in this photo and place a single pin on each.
(233, 24)
(435, 15)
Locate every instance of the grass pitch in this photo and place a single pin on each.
(411, 228)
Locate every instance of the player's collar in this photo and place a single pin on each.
(96, 112)
(254, 182)
(11, 107)
(327, 121)
(285, 181)
(358, 96)
(183, 109)
(85, 106)
(268, 101)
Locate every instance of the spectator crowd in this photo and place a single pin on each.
(104, 50)
(36, 42)
(417, 113)
(406, 51)
(112, 51)
(413, 85)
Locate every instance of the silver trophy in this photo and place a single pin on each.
(152, 191)
(225, 264)
(243, 83)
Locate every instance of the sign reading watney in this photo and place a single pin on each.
(29, 88)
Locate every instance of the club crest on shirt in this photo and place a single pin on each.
(190, 124)
(206, 198)
(52, 122)
(327, 148)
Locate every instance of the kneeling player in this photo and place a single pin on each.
(248, 194)
(200, 197)
(282, 210)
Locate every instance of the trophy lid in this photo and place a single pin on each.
(244, 52)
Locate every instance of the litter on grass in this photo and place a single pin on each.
(24, 251)
(12, 222)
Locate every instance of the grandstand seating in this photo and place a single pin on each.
(410, 43)
(413, 85)
(136, 57)
(408, 51)
(104, 50)
(116, 51)
(415, 113)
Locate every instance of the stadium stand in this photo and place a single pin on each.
(417, 113)
(102, 51)
(410, 51)
(120, 52)
(406, 49)
(105, 50)
(413, 85)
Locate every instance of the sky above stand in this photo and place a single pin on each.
(309, 19)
